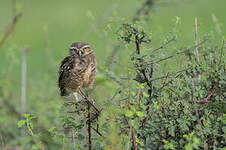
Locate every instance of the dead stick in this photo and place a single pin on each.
(89, 128)
(205, 100)
(196, 45)
(11, 28)
(73, 139)
(134, 138)
(98, 132)
(88, 100)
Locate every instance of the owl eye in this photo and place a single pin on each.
(86, 49)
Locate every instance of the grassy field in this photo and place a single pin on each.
(61, 23)
(48, 27)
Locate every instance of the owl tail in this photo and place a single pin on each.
(64, 92)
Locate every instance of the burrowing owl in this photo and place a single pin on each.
(78, 69)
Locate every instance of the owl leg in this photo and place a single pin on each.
(76, 96)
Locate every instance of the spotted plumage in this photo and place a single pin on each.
(78, 69)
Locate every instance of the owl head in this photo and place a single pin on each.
(80, 49)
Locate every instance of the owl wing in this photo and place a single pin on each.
(64, 72)
(93, 70)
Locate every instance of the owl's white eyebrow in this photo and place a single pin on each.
(73, 47)
(85, 46)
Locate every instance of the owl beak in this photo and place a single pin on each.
(79, 52)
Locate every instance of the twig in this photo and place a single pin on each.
(85, 131)
(137, 42)
(88, 101)
(139, 95)
(162, 46)
(35, 141)
(205, 100)
(89, 128)
(165, 82)
(89, 121)
(115, 94)
(134, 138)
(98, 132)
(181, 52)
(92, 120)
(193, 82)
(11, 28)
(197, 43)
(112, 77)
(221, 52)
(148, 5)
(165, 76)
(73, 139)
(2, 142)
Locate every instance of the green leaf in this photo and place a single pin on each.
(81, 137)
(128, 113)
(21, 123)
(140, 113)
(224, 129)
(172, 131)
(26, 115)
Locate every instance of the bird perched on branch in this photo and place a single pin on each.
(77, 70)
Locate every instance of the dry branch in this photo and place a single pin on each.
(10, 28)
(164, 44)
(134, 138)
(143, 10)
(89, 128)
(205, 100)
(73, 139)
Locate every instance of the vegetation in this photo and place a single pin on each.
(161, 80)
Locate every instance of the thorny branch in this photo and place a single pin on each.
(89, 128)
(89, 120)
(164, 45)
(97, 131)
(138, 41)
(143, 10)
(87, 100)
(184, 51)
(134, 138)
(205, 100)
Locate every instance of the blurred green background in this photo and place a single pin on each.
(48, 27)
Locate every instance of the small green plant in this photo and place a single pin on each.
(29, 127)
(27, 122)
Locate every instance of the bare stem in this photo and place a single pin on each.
(134, 138)
(196, 41)
(23, 80)
(196, 45)
(89, 128)
(85, 131)
(10, 28)
(73, 139)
